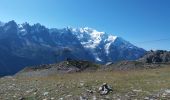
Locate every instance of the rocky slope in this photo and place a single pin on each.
(73, 66)
(69, 66)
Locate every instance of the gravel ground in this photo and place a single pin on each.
(140, 85)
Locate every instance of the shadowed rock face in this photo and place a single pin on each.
(27, 45)
(158, 56)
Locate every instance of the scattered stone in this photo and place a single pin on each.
(68, 96)
(89, 91)
(61, 99)
(21, 98)
(52, 98)
(132, 94)
(94, 97)
(83, 98)
(137, 90)
(14, 96)
(105, 89)
(167, 91)
(35, 93)
(10, 87)
(164, 95)
(81, 84)
(146, 98)
(45, 93)
(13, 84)
(29, 91)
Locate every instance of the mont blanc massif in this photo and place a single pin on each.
(26, 45)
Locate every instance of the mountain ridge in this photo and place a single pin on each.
(28, 45)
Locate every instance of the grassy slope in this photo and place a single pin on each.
(126, 84)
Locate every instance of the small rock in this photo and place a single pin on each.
(90, 91)
(29, 91)
(137, 90)
(167, 91)
(94, 97)
(146, 98)
(81, 84)
(13, 84)
(21, 98)
(68, 96)
(164, 95)
(61, 99)
(83, 98)
(10, 87)
(45, 93)
(35, 93)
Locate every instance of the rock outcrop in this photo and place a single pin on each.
(158, 56)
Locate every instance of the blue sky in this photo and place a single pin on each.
(135, 20)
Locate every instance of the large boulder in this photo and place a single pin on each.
(105, 89)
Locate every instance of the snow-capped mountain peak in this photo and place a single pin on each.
(111, 38)
(89, 37)
(93, 40)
